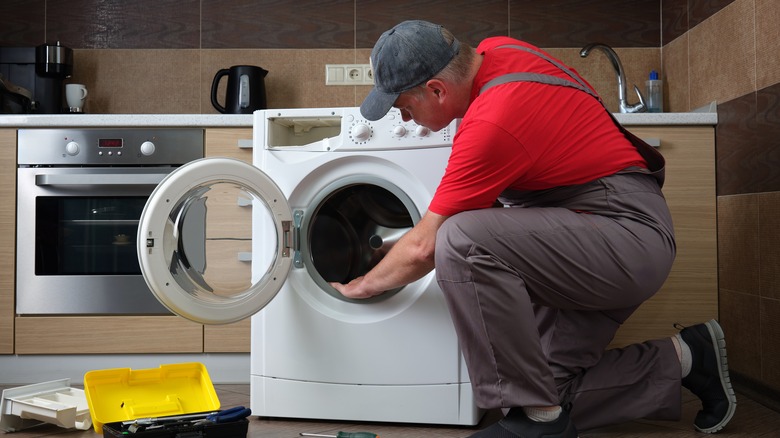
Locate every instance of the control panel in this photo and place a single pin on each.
(334, 129)
(109, 147)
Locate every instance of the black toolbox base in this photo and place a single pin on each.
(233, 429)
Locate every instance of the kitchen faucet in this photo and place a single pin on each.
(625, 107)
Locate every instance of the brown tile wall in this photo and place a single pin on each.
(726, 51)
(159, 56)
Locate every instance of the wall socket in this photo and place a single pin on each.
(348, 74)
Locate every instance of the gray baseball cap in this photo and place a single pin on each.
(404, 57)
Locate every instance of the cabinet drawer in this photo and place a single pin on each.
(107, 335)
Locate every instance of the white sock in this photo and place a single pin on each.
(542, 415)
(686, 360)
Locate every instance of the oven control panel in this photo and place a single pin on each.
(109, 147)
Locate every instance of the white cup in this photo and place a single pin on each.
(75, 94)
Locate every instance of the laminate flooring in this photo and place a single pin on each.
(750, 420)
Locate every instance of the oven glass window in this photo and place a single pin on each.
(87, 235)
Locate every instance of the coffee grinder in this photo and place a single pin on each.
(40, 70)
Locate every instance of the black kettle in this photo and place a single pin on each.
(245, 89)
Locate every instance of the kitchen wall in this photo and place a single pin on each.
(159, 56)
(733, 57)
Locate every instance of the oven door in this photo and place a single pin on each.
(182, 235)
(76, 240)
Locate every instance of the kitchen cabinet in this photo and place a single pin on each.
(229, 232)
(690, 294)
(7, 238)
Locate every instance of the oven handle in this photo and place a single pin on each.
(102, 179)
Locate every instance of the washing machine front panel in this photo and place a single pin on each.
(401, 338)
(183, 246)
(397, 356)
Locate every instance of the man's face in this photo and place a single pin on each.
(423, 106)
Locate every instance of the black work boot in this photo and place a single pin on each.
(517, 424)
(709, 377)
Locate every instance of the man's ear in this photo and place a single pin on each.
(438, 87)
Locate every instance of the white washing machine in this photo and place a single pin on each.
(330, 194)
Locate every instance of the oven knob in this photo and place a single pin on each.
(361, 132)
(422, 131)
(72, 148)
(399, 131)
(147, 148)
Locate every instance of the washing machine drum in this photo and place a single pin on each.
(353, 229)
(184, 236)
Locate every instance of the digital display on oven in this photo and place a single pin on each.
(110, 142)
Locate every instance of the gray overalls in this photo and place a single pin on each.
(537, 292)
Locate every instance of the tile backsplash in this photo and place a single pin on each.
(159, 56)
(178, 81)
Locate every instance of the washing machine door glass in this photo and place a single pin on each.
(195, 240)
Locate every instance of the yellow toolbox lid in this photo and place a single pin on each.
(122, 394)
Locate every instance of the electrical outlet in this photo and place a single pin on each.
(354, 74)
(348, 74)
(368, 74)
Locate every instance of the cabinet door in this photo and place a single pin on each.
(107, 335)
(690, 294)
(234, 226)
(234, 219)
(7, 239)
(229, 142)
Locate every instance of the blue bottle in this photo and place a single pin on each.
(655, 93)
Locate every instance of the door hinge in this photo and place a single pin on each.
(297, 257)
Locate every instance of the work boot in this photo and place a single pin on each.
(517, 425)
(709, 377)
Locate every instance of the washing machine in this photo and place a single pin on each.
(330, 193)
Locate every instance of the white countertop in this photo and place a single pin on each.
(125, 120)
(245, 120)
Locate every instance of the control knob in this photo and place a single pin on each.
(361, 132)
(147, 148)
(422, 131)
(399, 131)
(72, 148)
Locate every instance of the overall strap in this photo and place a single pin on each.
(541, 78)
(654, 159)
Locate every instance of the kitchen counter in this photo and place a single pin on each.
(245, 120)
(125, 120)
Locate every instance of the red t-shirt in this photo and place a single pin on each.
(527, 136)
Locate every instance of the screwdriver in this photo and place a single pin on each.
(344, 435)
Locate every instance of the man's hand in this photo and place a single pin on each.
(410, 259)
(354, 290)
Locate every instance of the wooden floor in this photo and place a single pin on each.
(751, 420)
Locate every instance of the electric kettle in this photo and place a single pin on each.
(245, 89)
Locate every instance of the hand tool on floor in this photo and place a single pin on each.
(344, 435)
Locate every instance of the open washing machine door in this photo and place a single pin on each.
(174, 241)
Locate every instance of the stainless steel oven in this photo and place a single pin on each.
(80, 196)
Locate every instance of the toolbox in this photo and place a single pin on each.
(176, 401)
